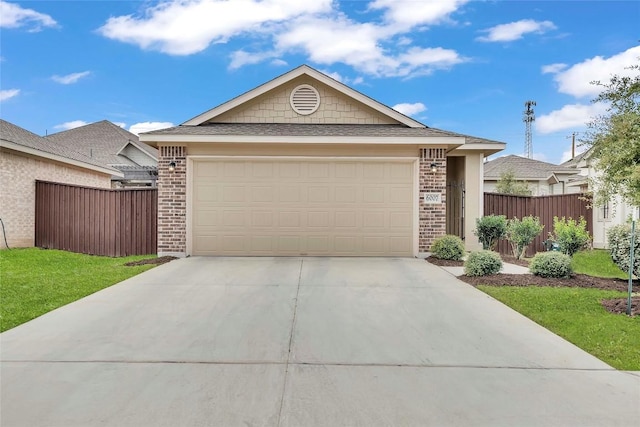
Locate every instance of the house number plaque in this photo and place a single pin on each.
(432, 198)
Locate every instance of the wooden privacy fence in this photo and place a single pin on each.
(544, 207)
(96, 221)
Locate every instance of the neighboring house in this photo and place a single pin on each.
(615, 212)
(26, 157)
(305, 165)
(543, 178)
(112, 146)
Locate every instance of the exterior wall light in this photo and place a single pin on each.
(172, 166)
(434, 167)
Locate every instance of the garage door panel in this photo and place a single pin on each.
(302, 207)
(235, 193)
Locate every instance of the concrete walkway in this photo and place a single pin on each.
(301, 342)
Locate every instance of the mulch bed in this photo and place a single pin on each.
(616, 306)
(156, 261)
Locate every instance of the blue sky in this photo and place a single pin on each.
(463, 66)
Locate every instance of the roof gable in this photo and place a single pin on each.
(334, 96)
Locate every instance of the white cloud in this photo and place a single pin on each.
(327, 41)
(71, 125)
(569, 117)
(14, 16)
(179, 27)
(120, 124)
(410, 109)
(515, 30)
(409, 13)
(279, 63)
(70, 78)
(241, 58)
(318, 29)
(139, 128)
(8, 93)
(553, 68)
(576, 79)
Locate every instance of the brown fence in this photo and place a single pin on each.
(544, 207)
(96, 221)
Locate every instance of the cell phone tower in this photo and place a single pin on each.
(528, 118)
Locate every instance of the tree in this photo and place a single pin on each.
(614, 140)
(508, 184)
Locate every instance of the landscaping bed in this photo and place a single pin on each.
(151, 261)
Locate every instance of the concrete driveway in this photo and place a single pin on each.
(301, 342)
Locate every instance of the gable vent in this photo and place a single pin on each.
(305, 100)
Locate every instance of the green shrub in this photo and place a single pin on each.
(448, 247)
(490, 229)
(619, 239)
(571, 235)
(551, 264)
(482, 263)
(521, 233)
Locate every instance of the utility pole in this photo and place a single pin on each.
(528, 118)
(573, 144)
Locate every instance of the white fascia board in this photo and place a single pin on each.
(487, 149)
(293, 74)
(244, 139)
(133, 143)
(32, 151)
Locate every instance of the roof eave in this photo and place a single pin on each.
(154, 140)
(293, 74)
(486, 148)
(50, 156)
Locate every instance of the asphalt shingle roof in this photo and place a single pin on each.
(17, 135)
(101, 141)
(523, 168)
(296, 129)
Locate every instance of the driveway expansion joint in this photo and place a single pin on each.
(293, 325)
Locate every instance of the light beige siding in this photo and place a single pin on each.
(18, 174)
(274, 107)
(337, 207)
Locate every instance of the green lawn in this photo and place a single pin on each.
(597, 263)
(34, 281)
(577, 315)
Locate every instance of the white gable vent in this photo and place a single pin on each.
(305, 100)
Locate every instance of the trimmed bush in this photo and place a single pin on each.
(490, 229)
(619, 239)
(482, 263)
(571, 235)
(551, 264)
(521, 233)
(448, 247)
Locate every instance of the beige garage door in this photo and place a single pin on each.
(320, 207)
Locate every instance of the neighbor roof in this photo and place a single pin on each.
(102, 141)
(523, 168)
(16, 138)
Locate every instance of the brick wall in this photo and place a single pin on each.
(432, 217)
(172, 201)
(18, 174)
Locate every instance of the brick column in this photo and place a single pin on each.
(172, 201)
(432, 216)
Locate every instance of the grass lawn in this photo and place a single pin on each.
(34, 281)
(577, 315)
(597, 263)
